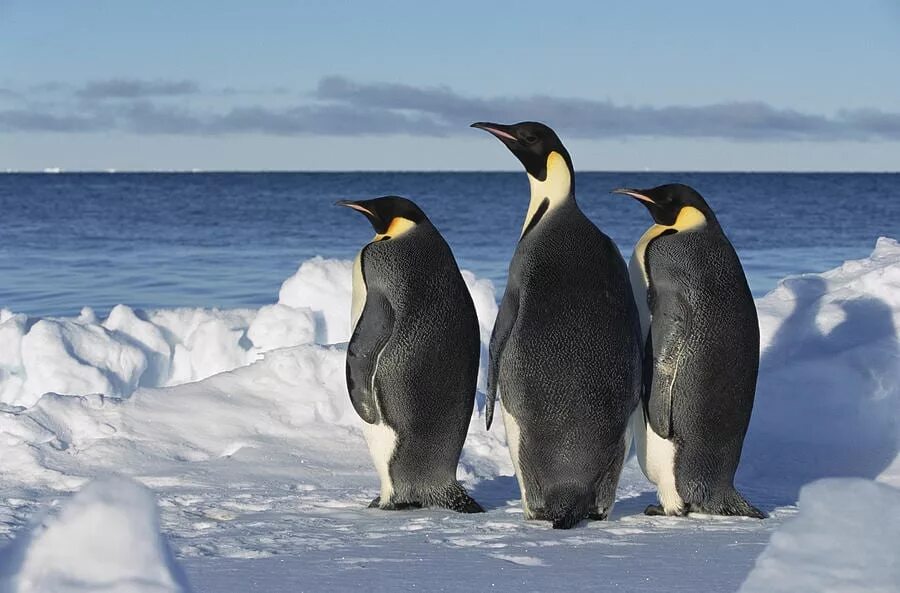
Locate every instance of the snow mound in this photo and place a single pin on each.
(844, 541)
(241, 422)
(106, 538)
(828, 401)
(166, 347)
(324, 286)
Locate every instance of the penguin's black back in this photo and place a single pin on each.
(427, 373)
(700, 302)
(569, 371)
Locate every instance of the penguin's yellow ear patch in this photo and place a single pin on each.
(398, 226)
(689, 218)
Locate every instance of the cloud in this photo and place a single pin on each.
(124, 88)
(341, 107)
(23, 120)
(599, 119)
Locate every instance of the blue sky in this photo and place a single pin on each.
(650, 84)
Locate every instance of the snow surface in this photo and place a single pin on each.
(162, 348)
(106, 538)
(240, 424)
(845, 540)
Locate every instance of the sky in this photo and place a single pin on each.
(641, 85)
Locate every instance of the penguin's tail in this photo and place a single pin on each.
(454, 497)
(733, 504)
(566, 505)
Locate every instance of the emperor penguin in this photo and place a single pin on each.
(565, 349)
(412, 360)
(701, 355)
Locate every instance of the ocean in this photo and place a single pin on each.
(160, 240)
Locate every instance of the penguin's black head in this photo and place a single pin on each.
(532, 142)
(666, 201)
(389, 215)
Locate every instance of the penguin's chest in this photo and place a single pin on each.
(639, 277)
(382, 442)
(513, 438)
(381, 438)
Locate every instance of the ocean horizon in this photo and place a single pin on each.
(228, 239)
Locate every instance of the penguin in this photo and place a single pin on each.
(565, 349)
(412, 359)
(701, 356)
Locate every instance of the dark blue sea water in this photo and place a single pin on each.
(230, 239)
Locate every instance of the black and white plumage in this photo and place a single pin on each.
(701, 355)
(412, 360)
(565, 350)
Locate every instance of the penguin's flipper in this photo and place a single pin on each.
(503, 325)
(663, 359)
(372, 332)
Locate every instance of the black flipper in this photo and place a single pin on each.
(369, 338)
(506, 319)
(673, 327)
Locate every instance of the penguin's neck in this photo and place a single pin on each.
(556, 188)
(688, 219)
(398, 226)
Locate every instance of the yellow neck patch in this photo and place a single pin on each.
(398, 226)
(557, 187)
(688, 219)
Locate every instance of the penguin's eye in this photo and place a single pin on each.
(530, 139)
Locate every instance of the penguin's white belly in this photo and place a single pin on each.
(513, 434)
(639, 286)
(657, 458)
(382, 441)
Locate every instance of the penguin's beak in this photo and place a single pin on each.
(503, 132)
(637, 194)
(356, 206)
(374, 217)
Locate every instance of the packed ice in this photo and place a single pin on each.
(239, 424)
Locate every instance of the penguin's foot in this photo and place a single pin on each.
(455, 498)
(732, 505)
(657, 510)
(598, 515)
(393, 505)
(566, 522)
(400, 506)
(754, 513)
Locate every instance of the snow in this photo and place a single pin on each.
(828, 401)
(167, 347)
(239, 423)
(845, 540)
(106, 538)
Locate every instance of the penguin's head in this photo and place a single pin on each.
(667, 202)
(391, 216)
(533, 143)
